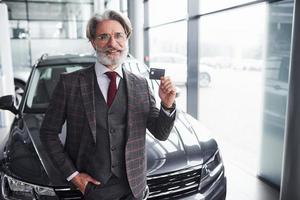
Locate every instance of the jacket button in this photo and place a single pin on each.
(113, 148)
(112, 130)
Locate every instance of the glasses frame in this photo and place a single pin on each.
(119, 37)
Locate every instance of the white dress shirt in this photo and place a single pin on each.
(102, 78)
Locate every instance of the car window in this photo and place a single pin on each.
(43, 83)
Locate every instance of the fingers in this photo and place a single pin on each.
(87, 178)
(80, 182)
(92, 180)
(166, 85)
(82, 179)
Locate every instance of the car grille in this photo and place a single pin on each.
(174, 185)
(68, 194)
(164, 186)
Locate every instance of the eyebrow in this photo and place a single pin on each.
(110, 34)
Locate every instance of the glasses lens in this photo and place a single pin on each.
(119, 36)
(104, 37)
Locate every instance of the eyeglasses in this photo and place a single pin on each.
(105, 37)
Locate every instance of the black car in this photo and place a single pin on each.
(186, 166)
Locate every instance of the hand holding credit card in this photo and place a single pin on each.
(156, 73)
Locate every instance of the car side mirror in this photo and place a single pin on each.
(7, 103)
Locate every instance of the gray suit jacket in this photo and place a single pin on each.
(73, 100)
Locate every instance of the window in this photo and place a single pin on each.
(214, 5)
(248, 63)
(64, 23)
(43, 83)
(232, 48)
(276, 89)
(166, 11)
(59, 11)
(168, 46)
(16, 10)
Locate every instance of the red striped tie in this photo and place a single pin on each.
(112, 88)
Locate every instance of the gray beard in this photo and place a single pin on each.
(107, 61)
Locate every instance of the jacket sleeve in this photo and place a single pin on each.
(52, 126)
(159, 123)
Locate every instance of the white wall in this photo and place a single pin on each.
(6, 72)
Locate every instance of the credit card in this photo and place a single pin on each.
(156, 73)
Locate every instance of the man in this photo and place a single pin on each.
(107, 110)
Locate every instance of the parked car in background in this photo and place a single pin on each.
(186, 166)
(248, 65)
(176, 68)
(217, 62)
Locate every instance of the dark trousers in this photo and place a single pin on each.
(113, 189)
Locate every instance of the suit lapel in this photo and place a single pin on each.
(88, 97)
(131, 97)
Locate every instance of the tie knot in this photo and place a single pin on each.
(111, 75)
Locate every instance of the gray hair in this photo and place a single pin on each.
(107, 15)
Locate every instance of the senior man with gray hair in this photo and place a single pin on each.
(107, 110)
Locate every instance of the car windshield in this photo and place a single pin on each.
(45, 78)
(43, 82)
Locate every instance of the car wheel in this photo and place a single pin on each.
(204, 79)
(19, 91)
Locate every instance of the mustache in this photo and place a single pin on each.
(108, 49)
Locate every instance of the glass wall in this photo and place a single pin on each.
(207, 6)
(232, 48)
(276, 77)
(120, 5)
(160, 11)
(39, 27)
(20, 53)
(246, 57)
(168, 41)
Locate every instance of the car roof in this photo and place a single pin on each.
(47, 60)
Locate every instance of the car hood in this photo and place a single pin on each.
(188, 145)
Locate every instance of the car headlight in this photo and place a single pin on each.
(211, 171)
(17, 189)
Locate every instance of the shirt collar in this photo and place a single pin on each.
(101, 69)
